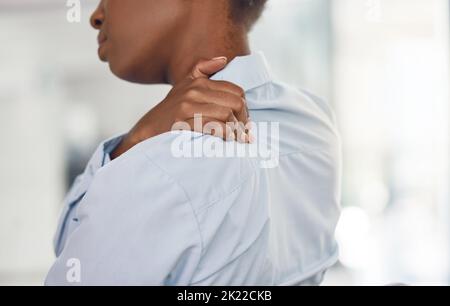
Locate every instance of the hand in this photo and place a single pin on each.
(220, 103)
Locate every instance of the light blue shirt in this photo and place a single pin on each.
(152, 217)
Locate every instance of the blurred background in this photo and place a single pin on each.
(382, 64)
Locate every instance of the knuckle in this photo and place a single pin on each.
(241, 104)
(192, 93)
(199, 82)
(223, 116)
(237, 89)
(184, 107)
(229, 113)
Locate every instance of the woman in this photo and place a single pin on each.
(148, 212)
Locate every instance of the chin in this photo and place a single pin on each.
(129, 73)
(120, 70)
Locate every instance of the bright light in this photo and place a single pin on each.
(352, 235)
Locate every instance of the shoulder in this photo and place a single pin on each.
(194, 163)
(307, 122)
(304, 102)
(133, 183)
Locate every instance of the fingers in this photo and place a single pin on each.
(218, 101)
(211, 126)
(215, 112)
(218, 112)
(206, 68)
(224, 86)
(222, 93)
(236, 103)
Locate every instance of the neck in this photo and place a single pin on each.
(182, 63)
(205, 39)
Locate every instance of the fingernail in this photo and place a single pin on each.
(220, 58)
(248, 138)
(249, 123)
(231, 136)
(251, 138)
(244, 138)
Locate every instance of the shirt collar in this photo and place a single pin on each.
(248, 72)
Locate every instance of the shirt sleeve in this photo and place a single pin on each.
(100, 158)
(134, 226)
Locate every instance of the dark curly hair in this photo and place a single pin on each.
(246, 12)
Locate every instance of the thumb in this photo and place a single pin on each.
(206, 68)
